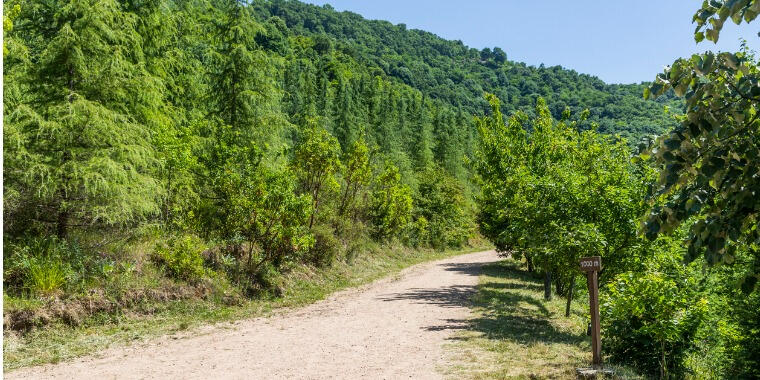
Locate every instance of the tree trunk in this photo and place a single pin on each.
(314, 210)
(62, 224)
(569, 296)
(530, 263)
(342, 208)
(663, 366)
(548, 285)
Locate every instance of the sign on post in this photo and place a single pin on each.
(592, 265)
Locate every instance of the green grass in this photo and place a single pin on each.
(304, 285)
(515, 334)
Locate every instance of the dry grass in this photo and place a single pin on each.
(515, 334)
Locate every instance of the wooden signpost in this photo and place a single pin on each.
(592, 266)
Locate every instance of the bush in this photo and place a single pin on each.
(326, 246)
(440, 206)
(181, 257)
(391, 205)
(650, 321)
(417, 233)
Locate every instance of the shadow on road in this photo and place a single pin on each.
(510, 301)
(452, 296)
(470, 269)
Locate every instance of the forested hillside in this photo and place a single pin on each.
(276, 132)
(459, 75)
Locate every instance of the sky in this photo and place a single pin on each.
(620, 41)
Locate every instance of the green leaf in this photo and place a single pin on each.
(712, 35)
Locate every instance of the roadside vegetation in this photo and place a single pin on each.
(150, 318)
(517, 334)
(190, 156)
(201, 151)
(675, 222)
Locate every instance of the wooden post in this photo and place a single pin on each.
(596, 339)
(592, 266)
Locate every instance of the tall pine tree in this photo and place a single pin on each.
(82, 148)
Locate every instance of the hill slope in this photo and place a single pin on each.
(458, 75)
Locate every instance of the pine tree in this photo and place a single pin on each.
(243, 93)
(83, 150)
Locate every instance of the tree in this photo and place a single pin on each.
(80, 153)
(708, 164)
(244, 96)
(556, 194)
(356, 174)
(9, 13)
(499, 55)
(391, 203)
(317, 159)
(441, 203)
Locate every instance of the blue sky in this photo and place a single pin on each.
(620, 41)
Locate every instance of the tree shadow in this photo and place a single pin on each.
(471, 269)
(513, 285)
(512, 306)
(452, 296)
(512, 309)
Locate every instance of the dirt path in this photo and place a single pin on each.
(391, 329)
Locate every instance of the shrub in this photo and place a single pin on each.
(417, 234)
(326, 246)
(650, 320)
(181, 257)
(391, 205)
(440, 205)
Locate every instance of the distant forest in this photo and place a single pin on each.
(458, 75)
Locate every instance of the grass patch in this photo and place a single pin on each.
(304, 285)
(515, 334)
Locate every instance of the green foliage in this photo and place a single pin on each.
(708, 164)
(44, 266)
(713, 14)
(180, 256)
(9, 13)
(281, 133)
(653, 322)
(391, 205)
(652, 316)
(556, 194)
(418, 233)
(457, 75)
(357, 174)
(243, 91)
(80, 145)
(440, 211)
(46, 276)
(317, 159)
(326, 246)
(260, 210)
